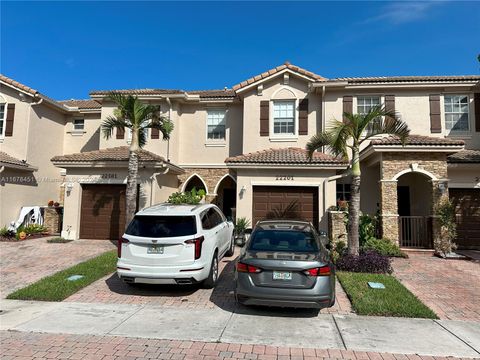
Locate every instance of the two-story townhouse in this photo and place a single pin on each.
(245, 147)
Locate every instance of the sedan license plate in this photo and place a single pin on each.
(282, 275)
(155, 249)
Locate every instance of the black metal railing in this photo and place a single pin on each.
(415, 231)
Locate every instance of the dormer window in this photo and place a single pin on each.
(284, 117)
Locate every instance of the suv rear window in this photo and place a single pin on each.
(283, 240)
(162, 226)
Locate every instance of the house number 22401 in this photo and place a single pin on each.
(284, 177)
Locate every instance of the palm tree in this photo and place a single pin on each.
(137, 116)
(342, 138)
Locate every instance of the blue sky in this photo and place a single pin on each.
(66, 49)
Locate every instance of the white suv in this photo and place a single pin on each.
(175, 244)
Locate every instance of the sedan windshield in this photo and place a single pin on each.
(283, 240)
(162, 226)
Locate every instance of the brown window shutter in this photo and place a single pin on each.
(303, 117)
(476, 103)
(435, 121)
(347, 105)
(9, 120)
(390, 103)
(264, 117)
(120, 133)
(155, 133)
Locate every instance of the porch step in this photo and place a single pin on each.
(413, 251)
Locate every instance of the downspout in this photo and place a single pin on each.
(169, 118)
(323, 112)
(152, 178)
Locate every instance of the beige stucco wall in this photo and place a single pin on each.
(297, 89)
(151, 191)
(464, 175)
(88, 140)
(195, 148)
(35, 127)
(247, 178)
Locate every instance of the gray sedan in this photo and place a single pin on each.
(285, 264)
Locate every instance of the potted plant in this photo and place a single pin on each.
(241, 226)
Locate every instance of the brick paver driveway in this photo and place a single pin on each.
(451, 288)
(111, 290)
(21, 345)
(25, 262)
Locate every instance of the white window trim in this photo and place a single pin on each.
(2, 134)
(215, 142)
(355, 108)
(283, 137)
(463, 134)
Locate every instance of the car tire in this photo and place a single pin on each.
(212, 279)
(231, 249)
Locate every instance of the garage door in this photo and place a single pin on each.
(270, 200)
(467, 207)
(102, 214)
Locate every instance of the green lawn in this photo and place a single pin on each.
(394, 300)
(56, 287)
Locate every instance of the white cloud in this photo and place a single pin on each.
(403, 12)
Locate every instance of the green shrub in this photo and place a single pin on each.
(4, 231)
(338, 250)
(366, 228)
(443, 242)
(241, 225)
(34, 229)
(384, 247)
(192, 197)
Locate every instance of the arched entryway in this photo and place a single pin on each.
(196, 182)
(415, 209)
(226, 191)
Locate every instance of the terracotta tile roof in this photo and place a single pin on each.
(418, 140)
(289, 155)
(138, 91)
(381, 79)
(225, 93)
(465, 156)
(82, 104)
(270, 72)
(119, 153)
(18, 85)
(6, 160)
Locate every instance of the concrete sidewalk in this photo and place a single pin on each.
(301, 329)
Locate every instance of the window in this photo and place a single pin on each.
(211, 219)
(456, 113)
(162, 226)
(78, 124)
(2, 119)
(216, 124)
(284, 117)
(343, 192)
(283, 240)
(364, 105)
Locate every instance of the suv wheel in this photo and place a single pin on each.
(231, 249)
(211, 281)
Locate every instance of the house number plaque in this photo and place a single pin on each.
(284, 177)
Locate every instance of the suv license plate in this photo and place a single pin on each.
(155, 249)
(282, 275)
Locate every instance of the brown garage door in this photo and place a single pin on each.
(269, 200)
(467, 207)
(103, 212)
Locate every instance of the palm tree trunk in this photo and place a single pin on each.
(354, 206)
(131, 196)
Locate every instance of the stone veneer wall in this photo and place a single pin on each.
(336, 226)
(52, 219)
(392, 164)
(211, 177)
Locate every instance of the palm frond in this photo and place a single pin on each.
(391, 126)
(111, 123)
(317, 142)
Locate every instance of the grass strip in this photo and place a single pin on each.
(56, 287)
(394, 300)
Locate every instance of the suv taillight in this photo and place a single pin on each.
(320, 271)
(198, 246)
(119, 246)
(241, 267)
